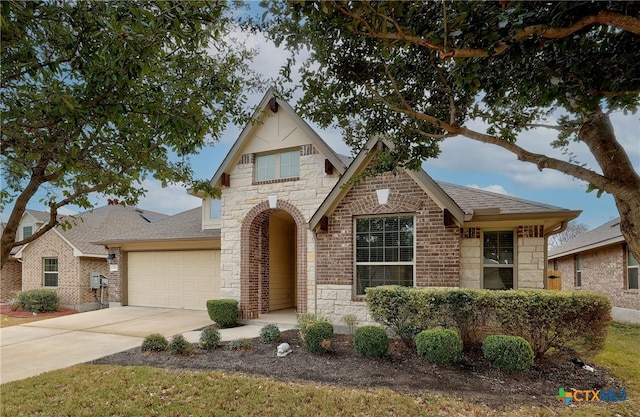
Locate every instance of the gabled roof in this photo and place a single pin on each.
(99, 223)
(465, 204)
(186, 225)
(430, 187)
(40, 216)
(234, 153)
(607, 234)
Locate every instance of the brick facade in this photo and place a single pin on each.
(603, 270)
(73, 272)
(10, 280)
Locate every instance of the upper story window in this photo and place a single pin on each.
(384, 252)
(278, 166)
(50, 267)
(577, 279)
(215, 209)
(632, 271)
(27, 231)
(498, 260)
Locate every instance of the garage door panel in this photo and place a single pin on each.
(174, 279)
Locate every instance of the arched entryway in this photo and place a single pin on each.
(273, 260)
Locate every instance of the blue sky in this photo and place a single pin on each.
(462, 161)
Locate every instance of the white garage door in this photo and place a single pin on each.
(174, 279)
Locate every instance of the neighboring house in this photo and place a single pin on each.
(599, 260)
(11, 274)
(292, 231)
(62, 260)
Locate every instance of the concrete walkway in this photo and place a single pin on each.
(33, 348)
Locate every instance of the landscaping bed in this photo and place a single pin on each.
(473, 379)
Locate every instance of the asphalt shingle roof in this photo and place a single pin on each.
(606, 234)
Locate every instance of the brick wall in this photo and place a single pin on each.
(603, 270)
(10, 280)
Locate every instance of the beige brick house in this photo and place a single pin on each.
(62, 260)
(599, 260)
(290, 231)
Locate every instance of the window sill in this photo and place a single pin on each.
(634, 291)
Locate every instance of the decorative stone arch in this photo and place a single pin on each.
(254, 273)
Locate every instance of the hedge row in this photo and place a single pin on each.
(546, 319)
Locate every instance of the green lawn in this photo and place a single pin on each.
(89, 390)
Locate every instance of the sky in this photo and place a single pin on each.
(462, 161)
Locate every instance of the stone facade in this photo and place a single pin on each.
(245, 211)
(603, 270)
(73, 272)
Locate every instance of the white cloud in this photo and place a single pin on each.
(494, 188)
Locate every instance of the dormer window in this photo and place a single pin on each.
(275, 166)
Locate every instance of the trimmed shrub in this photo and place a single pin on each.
(562, 320)
(439, 346)
(224, 312)
(240, 344)
(317, 336)
(155, 343)
(508, 353)
(179, 345)
(210, 338)
(39, 301)
(371, 341)
(270, 333)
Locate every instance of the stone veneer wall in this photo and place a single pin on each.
(10, 280)
(603, 270)
(437, 257)
(305, 194)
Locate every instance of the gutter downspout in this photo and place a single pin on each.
(560, 229)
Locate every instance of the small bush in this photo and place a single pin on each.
(317, 336)
(240, 344)
(223, 312)
(155, 343)
(179, 345)
(371, 341)
(350, 320)
(39, 301)
(508, 353)
(209, 338)
(270, 334)
(439, 346)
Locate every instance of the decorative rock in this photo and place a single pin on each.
(283, 350)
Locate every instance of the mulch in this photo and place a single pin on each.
(7, 310)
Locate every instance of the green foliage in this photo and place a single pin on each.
(508, 353)
(101, 95)
(316, 335)
(209, 338)
(179, 345)
(371, 341)
(38, 301)
(439, 346)
(270, 333)
(224, 312)
(350, 320)
(155, 343)
(546, 319)
(240, 344)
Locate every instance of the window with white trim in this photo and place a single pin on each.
(577, 278)
(215, 208)
(498, 260)
(27, 231)
(632, 271)
(50, 268)
(384, 251)
(277, 166)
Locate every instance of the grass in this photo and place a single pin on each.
(7, 321)
(144, 391)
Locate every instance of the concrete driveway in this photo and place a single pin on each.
(33, 348)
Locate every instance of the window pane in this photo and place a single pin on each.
(498, 278)
(27, 231)
(51, 279)
(633, 278)
(290, 164)
(406, 254)
(215, 209)
(631, 260)
(362, 225)
(498, 248)
(51, 264)
(265, 167)
(375, 275)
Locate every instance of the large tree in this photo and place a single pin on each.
(418, 72)
(97, 95)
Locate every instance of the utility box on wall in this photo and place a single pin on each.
(94, 280)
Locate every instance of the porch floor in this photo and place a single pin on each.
(285, 319)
